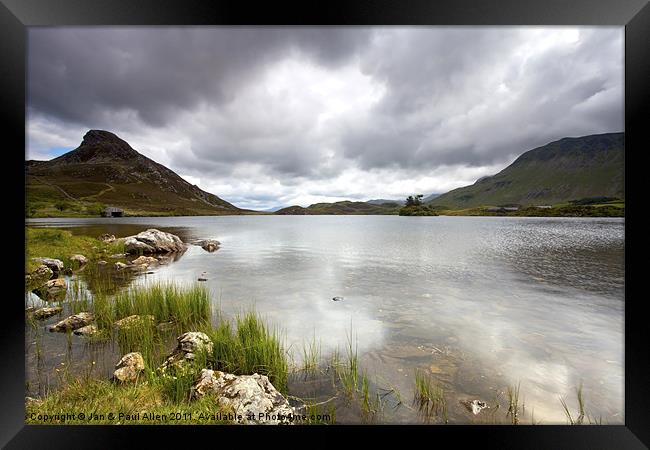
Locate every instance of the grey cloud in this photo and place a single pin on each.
(467, 97)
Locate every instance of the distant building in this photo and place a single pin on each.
(111, 211)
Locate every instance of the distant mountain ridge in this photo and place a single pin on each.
(571, 168)
(106, 170)
(345, 207)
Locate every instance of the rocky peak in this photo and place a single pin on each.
(99, 146)
(94, 137)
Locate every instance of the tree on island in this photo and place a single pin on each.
(414, 200)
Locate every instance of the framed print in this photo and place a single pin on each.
(357, 217)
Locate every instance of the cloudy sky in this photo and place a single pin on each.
(267, 117)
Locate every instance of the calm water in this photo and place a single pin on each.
(482, 303)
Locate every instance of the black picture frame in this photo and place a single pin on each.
(17, 15)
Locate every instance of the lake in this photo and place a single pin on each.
(481, 303)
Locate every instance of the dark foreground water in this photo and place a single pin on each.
(481, 303)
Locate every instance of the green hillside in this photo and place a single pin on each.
(342, 208)
(559, 172)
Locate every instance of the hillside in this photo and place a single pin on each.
(342, 208)
(105, 171)
(559, 172)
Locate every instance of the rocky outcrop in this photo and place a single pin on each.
(52, 290)
(107, 238)
(80, 260)
(189, 344)
(73, 322)
(41, 275)
(129, 367)
(153, 241)
(251, 397)
(55, 265)
(44, 313)
(88, 330)
(135, 319)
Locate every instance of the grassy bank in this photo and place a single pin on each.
(243, 346)
(62, 244)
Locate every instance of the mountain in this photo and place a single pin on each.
(106, 171)
(342, 208)
(569, 169)
(430, 197)
(383, 201)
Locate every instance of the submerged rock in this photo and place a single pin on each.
(209, 245)
(73, 322)
(247, 395)
(88, 330)
(52, 290)
(44, 313)
(108, 238)
(337, 299)
(120, 265)
(144, 261)
(55, 265)
(79, 259)
(475, 406)
(129, 367)
(189, 344)
(153, 241)
(135, 319)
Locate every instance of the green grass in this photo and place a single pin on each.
(188, 307)
(429, 396)
(311, 354)
(515, 410)
(62, 244)
(103, 398)
(249, 347)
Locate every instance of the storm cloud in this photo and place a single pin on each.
(294, 115)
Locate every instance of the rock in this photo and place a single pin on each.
(475, 406)
(118, 255)
(144, 261)
(74, 322)
(209, 245)
(129, 367)
(337, 299)
(79, 259)
(41, 275)
(189, 344)
(88, 330)
(44, 313)
(135, 319)
(101, 263)
(52, 290)
(202, 279)
(31, 400)
(67, 271)
(247, 395)
(55, 265)
(120, 265)
(153, 241)
(108, 238)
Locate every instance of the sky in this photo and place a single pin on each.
(266, 117)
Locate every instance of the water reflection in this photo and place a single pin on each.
(481, 303)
